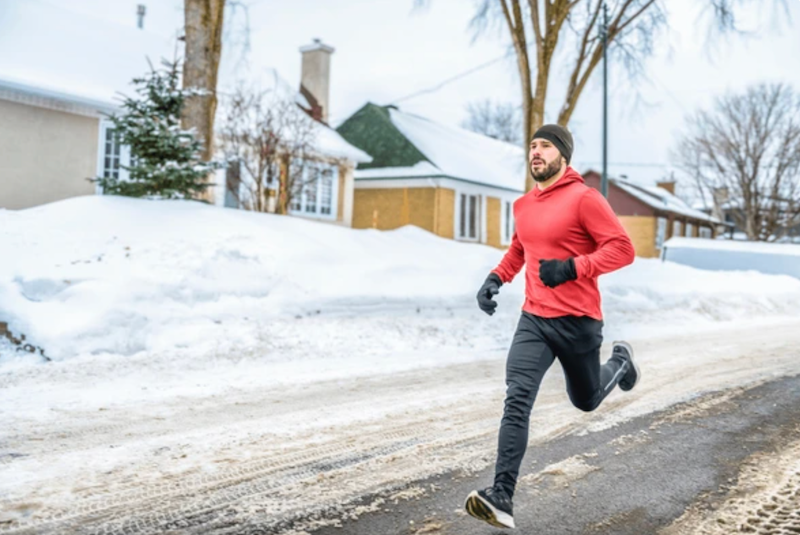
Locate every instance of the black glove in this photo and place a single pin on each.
(489, 289)
(555, 272)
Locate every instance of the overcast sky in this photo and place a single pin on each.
(386, 49)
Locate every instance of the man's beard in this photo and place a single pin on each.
(550, 170)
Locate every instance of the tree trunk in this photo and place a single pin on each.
(284, 188)
(203, 37)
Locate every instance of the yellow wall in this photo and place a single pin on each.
(493, 218)
(432, 209)
(642, 231)
(445, 213)
(390, 208)
(45, 155)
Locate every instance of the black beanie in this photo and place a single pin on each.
(558, 136)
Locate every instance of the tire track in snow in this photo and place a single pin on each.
(268, 480)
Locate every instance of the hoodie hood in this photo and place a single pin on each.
(570, 175)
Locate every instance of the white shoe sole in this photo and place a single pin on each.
(481, 509)
(628, 347)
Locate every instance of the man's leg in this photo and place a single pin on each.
(578, 341)
(528, 359)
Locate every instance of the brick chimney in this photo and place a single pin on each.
(668, 185)
(316, 75)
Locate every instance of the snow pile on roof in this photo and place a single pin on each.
(416, 170)
(661, 199)
(459, 153)
(115, 276)
(47, 47)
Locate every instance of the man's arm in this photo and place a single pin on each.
(512, 261)
(614, 247)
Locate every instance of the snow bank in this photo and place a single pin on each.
(114, 276)
(773, 258)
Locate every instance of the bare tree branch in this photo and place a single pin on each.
(632, 31)
(270, 138)
(499, 121)
(746, 154)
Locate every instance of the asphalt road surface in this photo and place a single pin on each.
(636, 478)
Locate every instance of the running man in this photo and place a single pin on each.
(566, 235)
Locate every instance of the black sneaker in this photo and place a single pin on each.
(633, 374)
(492, 505)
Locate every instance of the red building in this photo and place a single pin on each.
(653, 214)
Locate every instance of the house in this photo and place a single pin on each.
(324, 191)
(61, 74)
(452, 182)
(653, 214)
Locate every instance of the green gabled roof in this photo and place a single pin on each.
(371, 130)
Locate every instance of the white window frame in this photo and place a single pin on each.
(705, 233)
(661, 231)
(689, 232)
(124, 154)
(480, 231)
(507, 223)
(316, 186)
(676, 228)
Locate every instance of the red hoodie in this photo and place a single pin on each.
(567, 219)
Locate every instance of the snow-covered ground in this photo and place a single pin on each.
(101, 276)
(276, 365)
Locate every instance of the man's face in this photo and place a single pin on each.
(545, 159)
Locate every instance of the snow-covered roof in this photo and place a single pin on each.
(51, 51)
(457, 153)
(330, 143)
(417, 170)
(661, 199)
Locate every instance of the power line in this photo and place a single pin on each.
(453, 78)
(630, 164)
(443, 83)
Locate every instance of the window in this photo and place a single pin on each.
(661, 231)
(705, 232)
(326, 191)
(310, 187)
(508, 221)
(233, 184)
(689, 230)
(111, 154)
(315, 188)
(676, 228)
(469, 213)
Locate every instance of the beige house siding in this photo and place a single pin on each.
(45, 155)
(340, 193)
(642, 231)
(493, 218)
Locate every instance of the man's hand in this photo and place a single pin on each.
(555, 272)
(490, 288)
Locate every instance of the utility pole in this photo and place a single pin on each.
(604, 37)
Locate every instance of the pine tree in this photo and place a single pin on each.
(165, 160)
